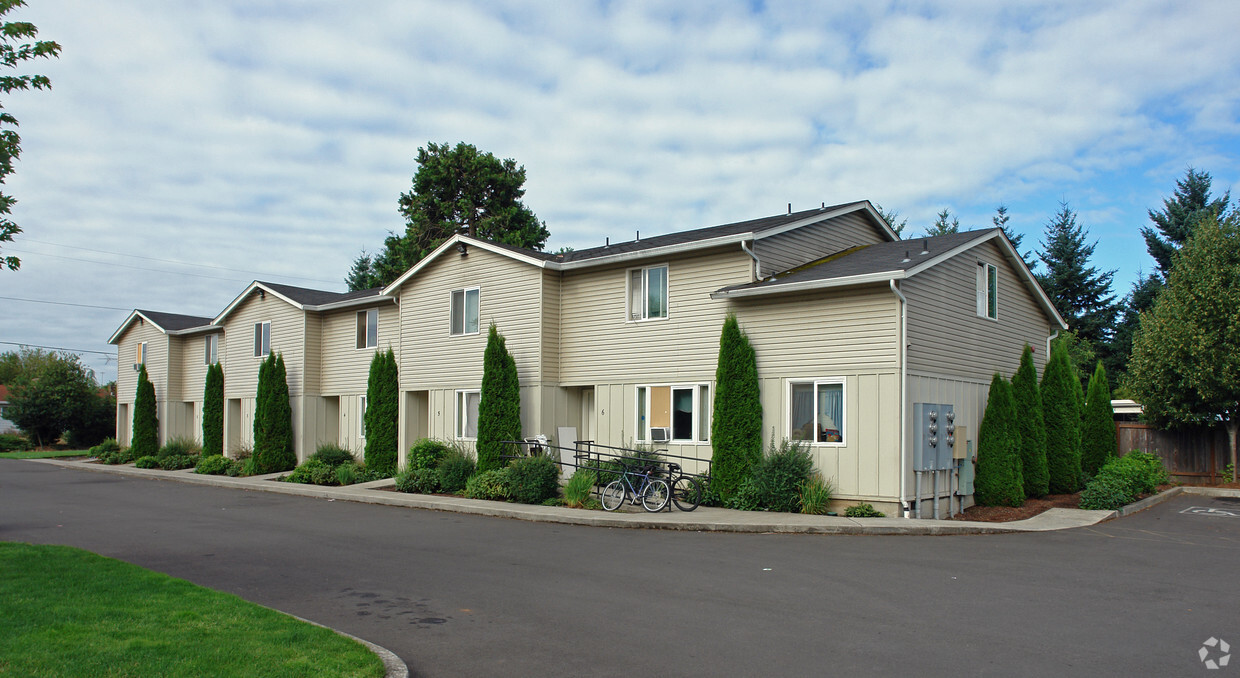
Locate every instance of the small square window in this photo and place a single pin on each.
(648, 293)
(368, 328)
(464, 312)
(262, 339)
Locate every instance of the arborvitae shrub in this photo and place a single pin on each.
(998, 481)
(1060, 399)
(381, 413)
(145, 441)
(1098, 439)
(213, 411)
(736, 422)
(499, 407)
(1030, 427)
(273, 449)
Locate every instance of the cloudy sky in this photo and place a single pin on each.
(187, 148)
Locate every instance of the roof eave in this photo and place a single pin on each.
(808, 285)
(256, 285)
(654, 252)
(395, 285)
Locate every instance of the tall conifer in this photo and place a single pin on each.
(1061, 396)
(381, 415)
(736, 424)
(1030, 426)
(145, 441)
(213, 411)
(1098, 440)
(499, 407)
(998, 481)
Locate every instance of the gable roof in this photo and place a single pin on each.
(168, 323)
(890, 261)
(304, 298)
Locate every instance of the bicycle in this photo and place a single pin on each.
(686, 489)
(652, 492)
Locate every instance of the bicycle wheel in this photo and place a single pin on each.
(654, 497)
(686, 493)
(612, 496)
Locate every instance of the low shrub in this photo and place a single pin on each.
(179, 446)
(577, 489)
(366, 474)
(121, 456)
(863, 511)
(1122, 481)
(347, 474)
(1227, 473)
(418, 480)
(493, 484)
(454, 470)
(176, 462)
(775, 483)
(816, 494)
(427, 453)
(533, 480)
(109, 445)
(216, 465)
(313, 471)
(149, 461)
(14, 442)
(333, 455)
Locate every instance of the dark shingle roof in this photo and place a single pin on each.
(308, 297)
(174, 322)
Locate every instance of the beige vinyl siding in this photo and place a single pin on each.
(598, 344)
(344, 367)
(316, 358)
(156, 361)
(808, 243)
(550, 334)
(191, 377)
(287, 335)
(509, 296)
(945, 335)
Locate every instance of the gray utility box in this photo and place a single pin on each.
(934, 436)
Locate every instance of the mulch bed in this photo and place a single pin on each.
(1031, 508)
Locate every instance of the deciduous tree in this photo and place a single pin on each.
(55, 395)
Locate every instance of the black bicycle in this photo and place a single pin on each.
(686, 489)
(650, 491)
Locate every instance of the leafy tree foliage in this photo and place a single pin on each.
(55, 395)
(24, 362)
(1061, 412)
(944, 224)
(736, 424)
(1185, 367)
(273, 419)
(1180, 213)
(213, 411)
(1138, 300)
(893, 219)
(145, 442)
(1098, 440)
(999, 481)
(499, 409)
(1081, 292)
(1030, 427)
(454, 190)
(381, 413)
(363, 275)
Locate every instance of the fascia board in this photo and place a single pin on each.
(363, 301)
(391, 289)
(847, 209)
(133, 315)
(777, 288)
(244, 295)
(653, 252)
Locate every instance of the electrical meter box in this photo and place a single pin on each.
(962, 438)
(934, 436)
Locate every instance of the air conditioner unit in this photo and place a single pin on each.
(660, 434)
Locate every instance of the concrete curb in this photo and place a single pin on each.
(393, 666)
(704, 519)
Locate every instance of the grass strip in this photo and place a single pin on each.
(44, 454)
(69, 612)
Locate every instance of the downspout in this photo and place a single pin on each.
(1048, 344)
(904, 465)
(757, 264)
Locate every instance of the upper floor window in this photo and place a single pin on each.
(141, 357)
(673, 413)
(987, 291)
(368, 328)
(816, 411)
(464, 312)
(262, 339)
(648, 293)
(211, 348)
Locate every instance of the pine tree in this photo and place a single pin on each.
(274, 452)
(1098, 440)
(891, 218)
(381, 415)
(944, 224)
(736, 424)
(999, 481)
(1030, 426)
(499, 406)
(1000, 220)
(1179, 215)
(1061, 413)
(145, 418)
(363, 275)
(213, 411)
(1080, 292)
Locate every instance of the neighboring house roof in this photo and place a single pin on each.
(305, 298)
(889, 261)
(168, 323)
(659, 245)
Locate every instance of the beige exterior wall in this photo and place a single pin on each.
(287, 337)
(803, 245)
(344, 368)
(157, 365)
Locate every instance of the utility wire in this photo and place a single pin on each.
(57, 348)
(65, 303)
(136, 268)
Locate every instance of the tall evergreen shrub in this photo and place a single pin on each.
(213, 411)
(381, 414)
(998, 481)
(1030, 427)
(261, 397)
(499, 409)
(736, 424)
(1099, 443)
(1060, 403)
(275, 450)
(145, 441)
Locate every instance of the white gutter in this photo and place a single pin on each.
(757, 264)
(779, 288)
(1048, 346)
(904, 465)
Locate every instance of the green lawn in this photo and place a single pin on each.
(69, 612)
(44, 454)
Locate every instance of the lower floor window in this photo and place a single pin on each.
(816, 410)
(361, 430)
(673, 413)
(467, 413)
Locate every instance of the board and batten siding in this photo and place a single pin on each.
(809, 243)
(508, 295)
(344, 368)
(287, 337)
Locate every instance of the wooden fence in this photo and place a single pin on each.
(1192, 456)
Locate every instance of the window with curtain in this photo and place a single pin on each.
(816, 411)
(648, 293)
(467, 414)
(683, 410)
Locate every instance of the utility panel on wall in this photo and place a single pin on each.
(934, 436)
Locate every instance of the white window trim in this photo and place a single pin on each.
(458, 425)
(211, 351)
(699, 437)
(361, 419)
(464, 294)
(363, 319)
(141, 353)
(628, 296)
(844, 428)
(262, 341)
(983, 290)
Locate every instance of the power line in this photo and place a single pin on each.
(58, 348)
(136, 268)
(65, 303)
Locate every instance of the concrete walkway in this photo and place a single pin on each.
(705, 519)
